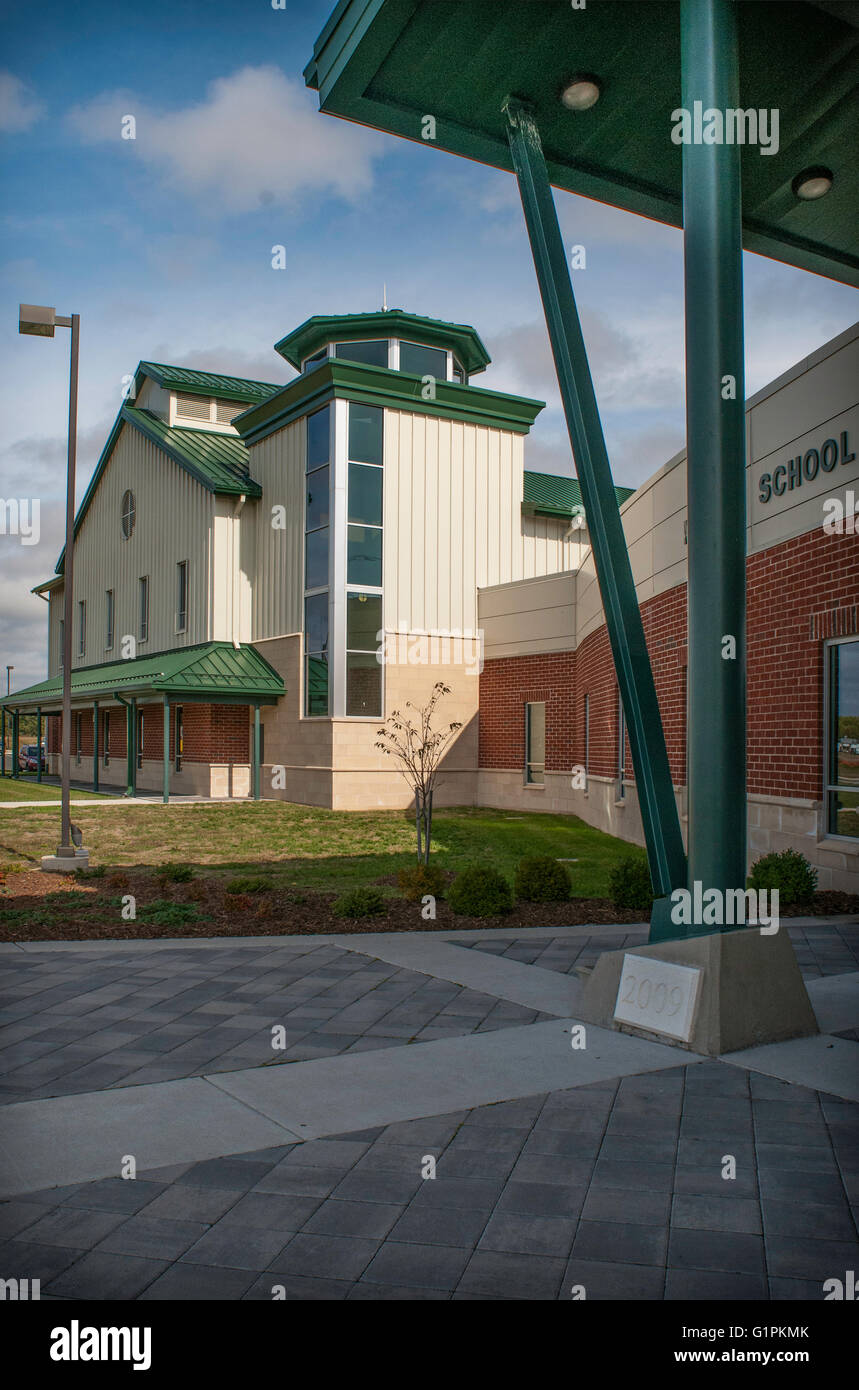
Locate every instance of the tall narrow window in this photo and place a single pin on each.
(181, 595)
(316, 557)
(143, 609)
(105, 741)
(363, 669)
(587, 739)
(364, 618)
(535, 742)
(140, 738)
(108, 619)
(78, 738)
(621, 748)
(179, 736)
(82, 627)
(842, 739)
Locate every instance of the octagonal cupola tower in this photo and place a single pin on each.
(389, 338)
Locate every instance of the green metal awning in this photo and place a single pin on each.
(549, 494)
(210, 671)
(390, 63)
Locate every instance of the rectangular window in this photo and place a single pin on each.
(365, 433)
(587, 738)
(140, 738)
(105, 739)
(108, 620)
(364, 556)
(314, 361)
(179, 737)
(79, 738)
(621, 748)
(363, 670)
(317, 537)
(143, 609)
(535, 742)
(82, 627)
(181, 595)
(423, 361)
(842, 739)
(372, 353)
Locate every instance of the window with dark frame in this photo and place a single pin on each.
(621, 748)
(178, 737)
(106, 739)
(181, 595)
(143, 609)
(316, 562)
(79, 739)
(535, 743)
(140, 738)
(108, 626)
(841, 790)
(82, 627)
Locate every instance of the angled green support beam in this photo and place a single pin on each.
(715, 411)
(623, 618)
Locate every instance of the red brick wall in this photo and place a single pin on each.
(211, 733)
(810, 574)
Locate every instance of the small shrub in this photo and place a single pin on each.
(248, 883)
(359, 902)
(480, 891)
(161, 912)
(238, 902)
(176, 873)
(67, 899)
(420, 879)
(541, 879)
(98, 872)
(630, 885)
(295, 898)
(789, 872)
(118, 882)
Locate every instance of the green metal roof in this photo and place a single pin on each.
(459, 338)
(210, 670)
(231, 388)
(548, 494)
(388, 63)
(218, 461)
(380, 386)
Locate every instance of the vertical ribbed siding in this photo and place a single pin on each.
(277, 464)
(173, 522)
(453, 522)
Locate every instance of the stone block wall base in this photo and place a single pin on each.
(751, 991)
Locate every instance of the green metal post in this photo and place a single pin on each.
(715, 410)
(15, 768)
(659, 815)
(256, 753)
(38, 743)
(3, 738)
(95, 746)
(165, 797)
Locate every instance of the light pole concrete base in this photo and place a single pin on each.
(65, 864)
(750, 991)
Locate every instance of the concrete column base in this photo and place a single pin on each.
(751, 991)
(63, 864)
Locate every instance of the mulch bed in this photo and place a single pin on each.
(43, 907)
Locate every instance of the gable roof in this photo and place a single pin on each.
(548, 494)
(219, 462)
(204, 671)
(195, 383)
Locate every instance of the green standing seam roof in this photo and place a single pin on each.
(463, 340)
(234, 388)
(209, 669)
(548, 494)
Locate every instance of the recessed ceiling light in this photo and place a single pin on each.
(813, 183)
(581, 92)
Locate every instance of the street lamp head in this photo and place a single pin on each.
(37, 320)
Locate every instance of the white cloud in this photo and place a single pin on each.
(256, 140)
(19, 108)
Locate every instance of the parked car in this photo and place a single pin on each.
(28, 758)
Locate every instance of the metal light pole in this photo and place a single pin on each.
(40, 321)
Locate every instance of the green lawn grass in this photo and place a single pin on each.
(28, 789)
(307, 847)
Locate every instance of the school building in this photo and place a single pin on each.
(263, 573)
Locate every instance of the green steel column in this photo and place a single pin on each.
(95, 746)
(15, 769)
(3, 738)
(165, 796)
(38, 743)
(623, 618)
(715, 414)
(256, 753)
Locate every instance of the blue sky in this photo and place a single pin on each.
(163, 244)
